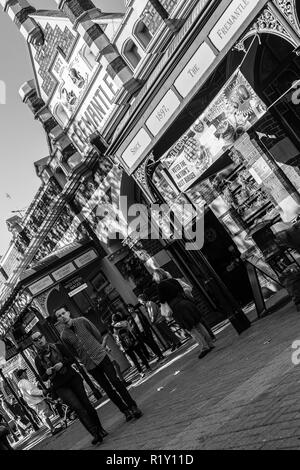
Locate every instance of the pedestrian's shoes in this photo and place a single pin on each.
(128, 415)
(97, 440)
(103, 432)
(137, 413)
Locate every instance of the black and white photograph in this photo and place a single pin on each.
(149, 228)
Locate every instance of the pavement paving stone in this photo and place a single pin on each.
(276, 444)
(245, 394)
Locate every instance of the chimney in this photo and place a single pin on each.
(52, 128)
(81, 13)
(19, 11)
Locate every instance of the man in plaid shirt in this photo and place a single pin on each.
(85, 341)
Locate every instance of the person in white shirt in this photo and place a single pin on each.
(35, 399)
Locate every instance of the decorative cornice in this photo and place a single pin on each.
(289, 11)
(268, 23)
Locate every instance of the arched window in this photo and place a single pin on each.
(142, 33)
(130, 51)
(61, 114)
(60, 176)
(88, 57)
(74, 160)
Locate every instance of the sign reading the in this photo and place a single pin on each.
(194, 70)
(234, 110)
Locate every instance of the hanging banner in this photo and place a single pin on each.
(234, 110)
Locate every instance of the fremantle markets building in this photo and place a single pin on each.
(174, 102)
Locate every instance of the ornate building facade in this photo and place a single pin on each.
(173, 101)
(83, 86)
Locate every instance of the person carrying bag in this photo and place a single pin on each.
(129, 342)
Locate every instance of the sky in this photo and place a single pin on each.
(22, 139)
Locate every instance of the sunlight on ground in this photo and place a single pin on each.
(218, 329)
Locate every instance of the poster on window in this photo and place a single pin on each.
(234, 110)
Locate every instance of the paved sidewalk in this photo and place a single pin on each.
(244, 395)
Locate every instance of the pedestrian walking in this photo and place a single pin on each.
(33, 396)
(85, 341)
(161, 275)
(185, 312)
(129, 342)
(159, 321)
(143, 330)
(53, 363)
(114, 360)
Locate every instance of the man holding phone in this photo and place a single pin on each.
(53, 363)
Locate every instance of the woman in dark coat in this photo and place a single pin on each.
(185, 312)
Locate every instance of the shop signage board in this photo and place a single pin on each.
(195, 69)
(77, 290)
(95, 112)
(163, 112)
(41, 285)
(74, 286)
(64, 271)
(30, 325)
(85, 259)
(230, 22)
(77, 89)
(137, 146)
(234, 110)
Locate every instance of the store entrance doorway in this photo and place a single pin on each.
(224, 256)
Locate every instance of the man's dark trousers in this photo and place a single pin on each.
(74, 395)
(106, 377)
(148, 339)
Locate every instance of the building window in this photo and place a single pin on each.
(130, 51)
(60, 177)
(88, 57)
(61, 114)
(142, 33)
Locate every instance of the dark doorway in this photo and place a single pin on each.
(224, 257)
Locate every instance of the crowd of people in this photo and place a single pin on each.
(143, 332)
